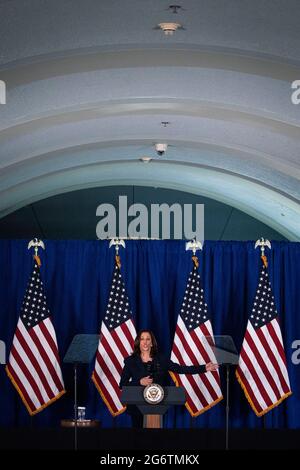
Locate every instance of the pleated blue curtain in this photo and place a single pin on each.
(77, 277)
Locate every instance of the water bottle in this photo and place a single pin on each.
(81, 413)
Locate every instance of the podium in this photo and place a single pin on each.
(81, 351)
(153, 413)
(226, 355)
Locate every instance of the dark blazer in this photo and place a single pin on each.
(135, 369)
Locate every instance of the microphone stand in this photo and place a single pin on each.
(75, 405)
(227, 406)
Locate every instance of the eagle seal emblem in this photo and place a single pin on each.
(154, 394)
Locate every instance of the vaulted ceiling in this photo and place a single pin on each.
(90, 83)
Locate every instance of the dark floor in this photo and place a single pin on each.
(177, 440)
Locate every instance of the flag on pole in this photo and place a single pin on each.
(192, 346)
(34, 364)
(115, 344)
(262, 371)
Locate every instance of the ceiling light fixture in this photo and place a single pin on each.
(145, 159)
(161, 149)
(169, 28)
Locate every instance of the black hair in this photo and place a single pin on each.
(136, 347)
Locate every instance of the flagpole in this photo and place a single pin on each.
(264, 379)
(262, 243)
(75, 406)
(114, 325)
(195, 245)
(116, 242)
(191, 422)
(36, 243)
(35, 345)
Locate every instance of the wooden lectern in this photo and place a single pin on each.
(153, 413)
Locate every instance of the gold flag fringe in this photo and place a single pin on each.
(32, 413)
(104, 399)
(259, 413)
(194, 415)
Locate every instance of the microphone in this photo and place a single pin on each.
(150, 369)
(153, 369)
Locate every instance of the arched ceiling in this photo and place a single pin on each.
(89, 83)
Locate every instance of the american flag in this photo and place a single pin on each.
(34, 364)
(115, 344)
(192, 346)
(262, 371)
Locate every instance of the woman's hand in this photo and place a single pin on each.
(146, 381)
(210, 367)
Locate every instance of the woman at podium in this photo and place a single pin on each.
(146, 366)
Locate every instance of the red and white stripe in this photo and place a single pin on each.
(262, 370)
(192, 348)
(114, 346)
(34, 365)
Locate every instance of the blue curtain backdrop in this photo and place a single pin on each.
(77, 276)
